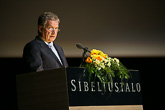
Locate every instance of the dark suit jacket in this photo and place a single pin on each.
(38, 56)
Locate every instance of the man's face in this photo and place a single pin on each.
(49, 33)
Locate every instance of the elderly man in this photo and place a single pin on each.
(42, 53)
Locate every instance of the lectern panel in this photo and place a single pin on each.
(46, 90)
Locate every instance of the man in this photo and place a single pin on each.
(42, 53)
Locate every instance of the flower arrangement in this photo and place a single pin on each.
(100, 65)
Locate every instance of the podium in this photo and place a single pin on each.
(69, 89)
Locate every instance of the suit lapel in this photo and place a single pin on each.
(47, 49)
(59, 53)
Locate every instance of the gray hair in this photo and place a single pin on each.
(43, 18)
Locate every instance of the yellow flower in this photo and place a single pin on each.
(99, 58)
(104, 55)
(94, 56)
(95, 52)
(88, 60)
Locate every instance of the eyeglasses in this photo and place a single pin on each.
(51, 29)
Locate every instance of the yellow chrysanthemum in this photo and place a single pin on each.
(104, 55)
(95, 52)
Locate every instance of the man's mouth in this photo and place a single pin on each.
(52, 36)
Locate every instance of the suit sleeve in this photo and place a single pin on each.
(32, 58)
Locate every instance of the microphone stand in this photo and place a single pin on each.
(78, 45)
(83, 55)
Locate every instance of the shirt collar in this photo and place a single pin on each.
(51, 43)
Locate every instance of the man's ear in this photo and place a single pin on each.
(40, 28)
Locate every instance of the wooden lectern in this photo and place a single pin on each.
(69, 89)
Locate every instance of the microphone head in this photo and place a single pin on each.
(80, 46)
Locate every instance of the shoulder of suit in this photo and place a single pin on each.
(33, 43)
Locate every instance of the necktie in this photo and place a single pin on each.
(50, 45)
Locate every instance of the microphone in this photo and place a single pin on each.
(80, 46)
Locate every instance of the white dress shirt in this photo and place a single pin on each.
(50, 45)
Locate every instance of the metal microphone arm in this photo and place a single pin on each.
(84, 53)
(80, 46)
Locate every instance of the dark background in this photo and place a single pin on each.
(151, 76)
(120, 28)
